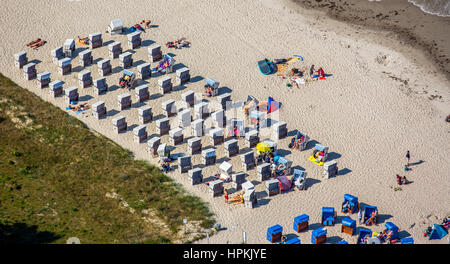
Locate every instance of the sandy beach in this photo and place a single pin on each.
(378, 103)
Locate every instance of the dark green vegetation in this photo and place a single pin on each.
(55, 175)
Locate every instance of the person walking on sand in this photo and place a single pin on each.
(225, 192)
(408, 156)
(359, 216)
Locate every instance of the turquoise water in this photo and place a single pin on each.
(434, 7)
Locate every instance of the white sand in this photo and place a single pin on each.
(366, 118)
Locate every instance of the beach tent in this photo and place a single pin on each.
(438, 232)
(272, 105)
(285, 183)
(266, 67)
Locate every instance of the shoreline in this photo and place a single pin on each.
(428, 34)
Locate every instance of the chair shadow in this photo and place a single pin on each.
(139, 62)
(147, 43)
(403, 234)
(106, 43)
(85, 98)
(291, 236)
(262, 202)
(179, 88)
(283, 152)
(112, 112)
(94, 62)
(154, 26)
(77, 69)
(292, 133)
(196, 79)
(310, 182)
(116, 69)
(333, 155)
(315, 226)
(333, 239)
(138, 104)
(130, 128)
(383, 217)
(113, 88)
(343, 172)
(223, 90)
(311, 144)
(155, 96)
(178, 66)
(35, 61)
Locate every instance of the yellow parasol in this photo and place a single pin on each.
(263, 147)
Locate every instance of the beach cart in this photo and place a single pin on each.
(370, 215)
(211, 87)
(128, 80)
(348, 226)
(350, 204)
(328, 215)
(320, 154)
(301, 223)
(319, 236)
(274, 233)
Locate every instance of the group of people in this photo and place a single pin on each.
(35, 44)
(401, 180)
(178, 44)
(80, 107)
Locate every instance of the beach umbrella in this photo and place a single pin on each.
(263, 147)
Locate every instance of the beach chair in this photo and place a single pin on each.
(370, 215)
(300, 141)
(320, 154)
(348, 226)
(213, 87)
(285, 169)
(299, 179)
(301, 223)
(128, 80)
(362, 234)
(350, 204)
(392, 227)
(319, 236)
(328, 215)
(274, 233)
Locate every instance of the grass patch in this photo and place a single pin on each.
(55, 174)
